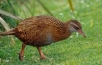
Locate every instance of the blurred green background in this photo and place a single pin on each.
(73, 51)
(29, 8)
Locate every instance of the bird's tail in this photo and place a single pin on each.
(10, 32)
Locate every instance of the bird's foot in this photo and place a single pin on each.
(42, 57)
(20, 57)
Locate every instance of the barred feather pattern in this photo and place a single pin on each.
(42, 30)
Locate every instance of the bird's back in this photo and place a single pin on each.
(40, 30)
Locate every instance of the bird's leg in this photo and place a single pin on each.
(21, 54)
(42, 56)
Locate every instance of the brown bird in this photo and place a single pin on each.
(40, 31)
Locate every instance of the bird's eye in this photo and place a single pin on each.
(77, 28)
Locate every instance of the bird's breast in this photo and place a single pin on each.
(49, 39)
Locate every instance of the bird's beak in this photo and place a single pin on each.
(81, 32)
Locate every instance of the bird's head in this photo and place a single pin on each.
(75, 26)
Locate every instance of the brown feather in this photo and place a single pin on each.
(34, 31)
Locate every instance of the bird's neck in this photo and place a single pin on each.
(67, 27)
(66, 30)
(62, 32)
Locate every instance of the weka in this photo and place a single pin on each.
(40, 31)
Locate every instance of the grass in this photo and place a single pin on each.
(76, 50)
